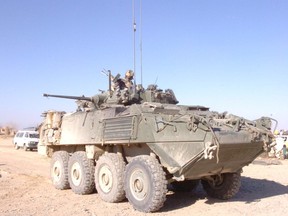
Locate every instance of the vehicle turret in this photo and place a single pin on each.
(122, 92)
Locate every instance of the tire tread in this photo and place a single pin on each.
(87, 186)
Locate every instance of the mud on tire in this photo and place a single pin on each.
(145, 184)
(81, 173)
(223, 188)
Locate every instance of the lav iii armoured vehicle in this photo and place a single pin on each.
(133, 142)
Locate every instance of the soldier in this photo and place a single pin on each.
(284, 149)
(125, 92)
(129, 75)
(122, 86)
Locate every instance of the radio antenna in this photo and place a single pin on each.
(134, 40)
(134, 35)
(141, 41)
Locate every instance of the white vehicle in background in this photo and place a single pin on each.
(26, 140)
(277, 149)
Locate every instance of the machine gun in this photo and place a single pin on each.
(86, 103)
(70, 97)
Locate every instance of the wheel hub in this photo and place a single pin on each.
(105, 179)
(138, 184)
(56, 171)
(216, 181)
(76, 174)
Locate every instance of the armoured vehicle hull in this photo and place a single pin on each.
(137, 149)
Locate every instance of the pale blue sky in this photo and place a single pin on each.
(229, 55)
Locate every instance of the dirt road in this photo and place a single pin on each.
(25, 189)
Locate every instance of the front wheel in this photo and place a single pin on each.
(223, 186)
(81, 173)
(145, 184)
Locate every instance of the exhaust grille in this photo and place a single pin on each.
(119, 128)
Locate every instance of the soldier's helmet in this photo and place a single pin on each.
(129, 74)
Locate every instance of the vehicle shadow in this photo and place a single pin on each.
(251, 190)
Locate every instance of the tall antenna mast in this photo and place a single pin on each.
(134, 39)
(141, 40)
(134, 32)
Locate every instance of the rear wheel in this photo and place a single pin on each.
(145, 184)
(223, 186)
(59, 170)
(81, 173)
(109, 177)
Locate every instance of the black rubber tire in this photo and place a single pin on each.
(109, 177)
(59, 170)
(145, 184)
(16, 146)
(25, 147)
(81, 173)
(185, 186)
(226, 189)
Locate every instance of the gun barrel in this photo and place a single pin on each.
(68, 97)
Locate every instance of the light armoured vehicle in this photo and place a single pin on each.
(132, 142)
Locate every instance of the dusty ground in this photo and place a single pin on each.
(25, 189)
